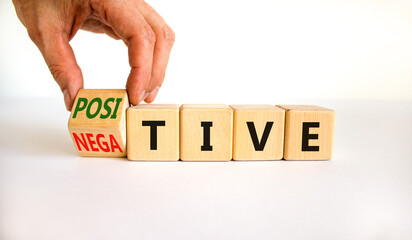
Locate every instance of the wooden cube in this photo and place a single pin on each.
(258, 132)
(153, 132)
(97, 122)
(308, 132)
(206, 132)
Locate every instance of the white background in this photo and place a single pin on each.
(352, 56)
(364, 193)
(243, 51)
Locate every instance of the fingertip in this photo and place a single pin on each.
(136, 98)
(67, 100)
(152, 96)
(148, 100)
(145, 95)
(137, 84)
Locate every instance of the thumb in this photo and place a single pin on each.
(60, 59)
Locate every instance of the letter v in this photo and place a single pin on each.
(259, 146)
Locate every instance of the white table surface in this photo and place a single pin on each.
(48, 192)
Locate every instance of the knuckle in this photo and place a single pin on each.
(34, 34)
(57, 71)
(148, 35)
(168, 35)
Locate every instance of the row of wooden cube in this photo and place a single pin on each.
(102, 124)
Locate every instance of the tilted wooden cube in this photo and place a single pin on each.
(309, 132)
(97, 122)
(258, 132)
(205, 132)
(153, 132)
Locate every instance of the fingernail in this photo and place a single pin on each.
(145, 95)
(67, 100)
(153, 94)
(142, 96)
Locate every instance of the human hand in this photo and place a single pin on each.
(51, 24)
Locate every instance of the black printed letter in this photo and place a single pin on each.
(306, 136)
(252, 130)
(153, 131)
(206, 136)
